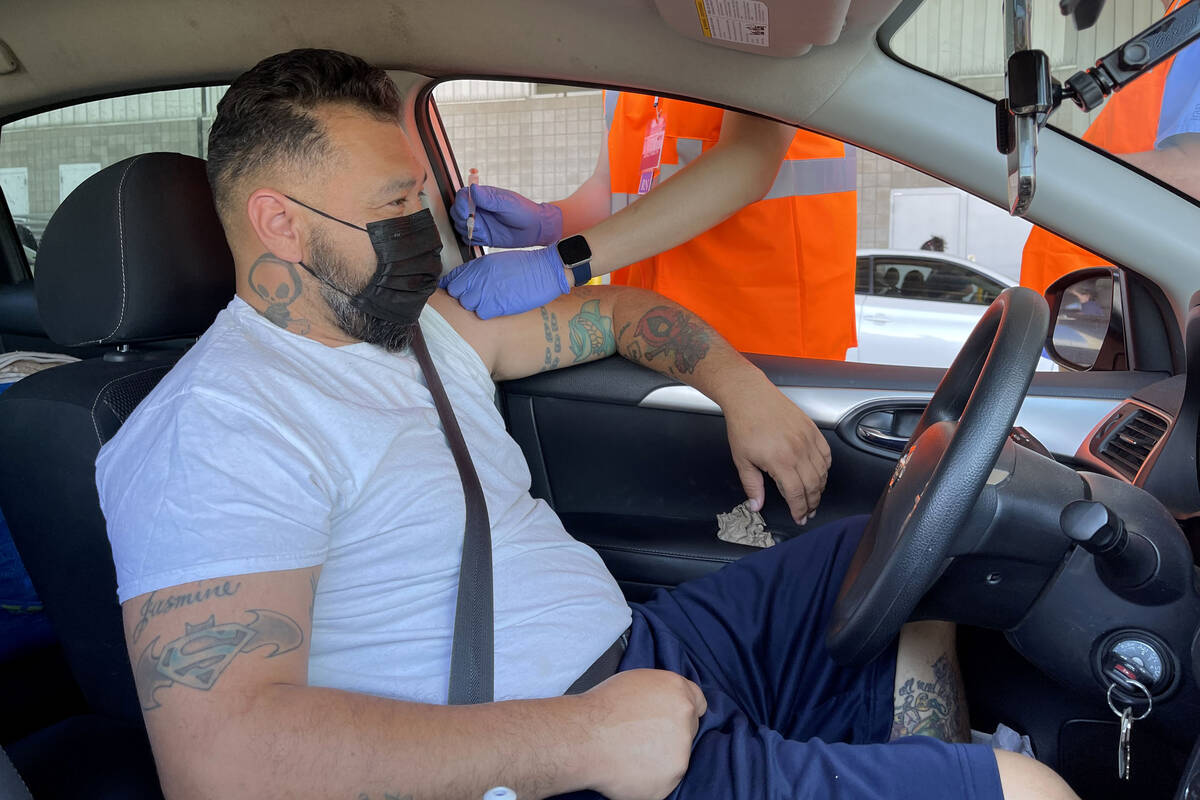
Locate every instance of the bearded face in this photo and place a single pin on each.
(342, 286)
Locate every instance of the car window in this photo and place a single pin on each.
(938, 280)
(543, 141)
(862, 276)
(45, 156)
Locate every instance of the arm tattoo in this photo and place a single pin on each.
(312, 578)
(553, 339)
(934, 708)
(198, 658)
(277, 283)
(673, 333)
(591, 333)
(156, 605)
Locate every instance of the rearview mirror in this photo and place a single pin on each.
(1088, 330)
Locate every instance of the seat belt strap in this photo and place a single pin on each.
(472, 654)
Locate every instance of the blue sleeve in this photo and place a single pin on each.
(1180, 112)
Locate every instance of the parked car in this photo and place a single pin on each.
(637, 466)
(916, 308)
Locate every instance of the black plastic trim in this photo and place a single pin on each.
(13, 266)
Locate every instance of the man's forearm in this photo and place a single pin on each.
(664, 336)
(299, 741)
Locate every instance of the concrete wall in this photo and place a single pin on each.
(102, 132)
(543, 146)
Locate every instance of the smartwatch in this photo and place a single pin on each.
(577, 257)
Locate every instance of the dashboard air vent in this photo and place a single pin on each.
(1127, 448)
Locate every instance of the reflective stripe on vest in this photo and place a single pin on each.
(796, 177)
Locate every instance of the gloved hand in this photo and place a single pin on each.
(500, 284)
(506, 219)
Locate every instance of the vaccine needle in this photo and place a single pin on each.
(472, 180)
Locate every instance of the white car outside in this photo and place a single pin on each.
(917, 307)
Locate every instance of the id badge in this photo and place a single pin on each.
(652, 147)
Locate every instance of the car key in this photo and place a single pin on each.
(1125, 740)
(1125, 744)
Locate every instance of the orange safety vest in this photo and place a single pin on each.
(778, 276)
(1127, 124)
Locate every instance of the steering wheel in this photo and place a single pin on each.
(939, 477)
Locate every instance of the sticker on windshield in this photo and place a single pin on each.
(741, 21)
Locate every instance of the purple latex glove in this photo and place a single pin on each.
(506, 219)
(500, 284)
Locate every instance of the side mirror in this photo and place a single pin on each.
(1088, 331)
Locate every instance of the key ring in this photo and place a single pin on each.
(1138, 684)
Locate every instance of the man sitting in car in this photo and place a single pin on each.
(287, 519)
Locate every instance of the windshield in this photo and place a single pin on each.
(1153, 123)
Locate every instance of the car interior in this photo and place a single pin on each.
(1052, 515)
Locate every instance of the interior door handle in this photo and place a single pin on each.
(889, 427)
(881, 438)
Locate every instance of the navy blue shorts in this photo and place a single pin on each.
(783, 720)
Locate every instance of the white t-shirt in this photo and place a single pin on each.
(263, 450)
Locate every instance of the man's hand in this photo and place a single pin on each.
(501, 284)
(505, 219)
(642, 723)
(768, 432)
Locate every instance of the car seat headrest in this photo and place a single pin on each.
(136, 253)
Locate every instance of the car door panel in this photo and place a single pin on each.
(638, 466)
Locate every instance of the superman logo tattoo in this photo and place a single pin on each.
(205, 650)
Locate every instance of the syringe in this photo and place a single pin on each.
(472, 180)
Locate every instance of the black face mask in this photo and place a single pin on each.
(407, 265)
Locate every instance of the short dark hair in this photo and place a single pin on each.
(266, 117)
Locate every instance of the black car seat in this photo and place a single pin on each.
(134, 257)
(913, 285)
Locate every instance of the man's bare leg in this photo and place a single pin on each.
(929, 698)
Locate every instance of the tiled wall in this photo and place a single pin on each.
(877, 177)
(43, 150)
(541, 146)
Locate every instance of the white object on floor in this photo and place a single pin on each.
(743, 526)
(1005, 738)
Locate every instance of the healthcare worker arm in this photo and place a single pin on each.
(1177, 162)
(735, 172)
(1175, 158)
(738, 170)
(767, 432)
